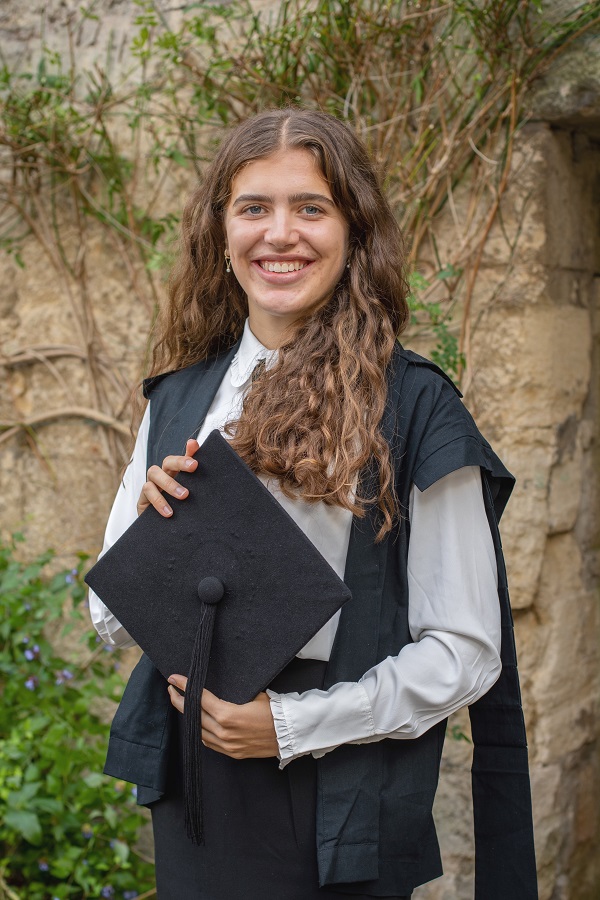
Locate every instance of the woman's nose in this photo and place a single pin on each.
(281, 231)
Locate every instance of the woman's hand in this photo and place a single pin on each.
(161, 481)
(239, 731)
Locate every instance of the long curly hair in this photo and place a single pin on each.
(312, 420)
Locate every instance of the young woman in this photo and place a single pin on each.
(281, 330)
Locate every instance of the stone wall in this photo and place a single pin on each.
(532, 385)
(534, 391)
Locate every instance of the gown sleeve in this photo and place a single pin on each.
(454, 620)
(122, 515)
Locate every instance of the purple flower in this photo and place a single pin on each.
(36, 649)
(116, 666)
(25, 640)
(31, 683)
(69, 579)
(130, 895)
(87, 830)
(63, 675)
(29, 654)
(43, 865)
(107, 891)
(27, 606)
(108, 649)
(134, 791)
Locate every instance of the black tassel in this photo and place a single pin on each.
(210, 591)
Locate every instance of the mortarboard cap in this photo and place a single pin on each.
(226, 590)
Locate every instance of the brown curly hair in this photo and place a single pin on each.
(312, 420)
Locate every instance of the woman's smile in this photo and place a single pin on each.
(282, 266)
(282, 270)
(287, 239)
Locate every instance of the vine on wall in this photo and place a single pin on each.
(436, 90)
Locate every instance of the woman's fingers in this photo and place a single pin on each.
(191, 447)
(176, 699)
(177, 681)
(161, 481)
(158, 484)
(241, 730)
(236, 730)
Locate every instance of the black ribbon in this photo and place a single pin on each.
(210, 591)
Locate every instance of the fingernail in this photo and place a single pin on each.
(180, 491)
(171, 680)
(167, 511)
(189, 462)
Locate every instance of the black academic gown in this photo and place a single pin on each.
(375, 833)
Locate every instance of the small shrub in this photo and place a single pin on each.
(66, 830)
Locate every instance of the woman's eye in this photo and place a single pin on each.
(312, 210)
(254, 210)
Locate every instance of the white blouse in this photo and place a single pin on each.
(453, 612)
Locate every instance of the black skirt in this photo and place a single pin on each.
(260, 841)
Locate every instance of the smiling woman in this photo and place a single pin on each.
(281, 331)
(288, 246)
(334, 320)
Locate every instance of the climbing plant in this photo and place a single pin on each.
(436, 89)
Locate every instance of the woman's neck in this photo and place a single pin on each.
(269, 330)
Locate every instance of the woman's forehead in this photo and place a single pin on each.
(286, 172)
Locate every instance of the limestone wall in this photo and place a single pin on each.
(533, 387)
(534, 392)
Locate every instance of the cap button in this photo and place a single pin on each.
(211, 589)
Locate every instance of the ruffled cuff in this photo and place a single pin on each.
(283, 730)
(108, 627)
(319, 721)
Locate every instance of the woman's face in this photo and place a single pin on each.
(287, 239)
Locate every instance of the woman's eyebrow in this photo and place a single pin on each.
(305, 197)
(310, 198)
(252, 198)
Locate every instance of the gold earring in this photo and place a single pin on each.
(227, 261)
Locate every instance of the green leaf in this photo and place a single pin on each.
(111, 816)
(48, 805)
(121, 851)
(18, 799)
(94, 779)
(37, 723)
(448, 271)
(25, 823)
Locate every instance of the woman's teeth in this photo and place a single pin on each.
(281, 267)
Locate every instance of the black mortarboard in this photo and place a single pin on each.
(227, 590)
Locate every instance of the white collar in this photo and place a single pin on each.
(250, 352)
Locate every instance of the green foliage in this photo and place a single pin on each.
(66, 830)
(60, 130)
(436, 90)
(457, 734)
(434, 318)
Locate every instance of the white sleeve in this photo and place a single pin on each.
(122, 515)
(454, 621)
